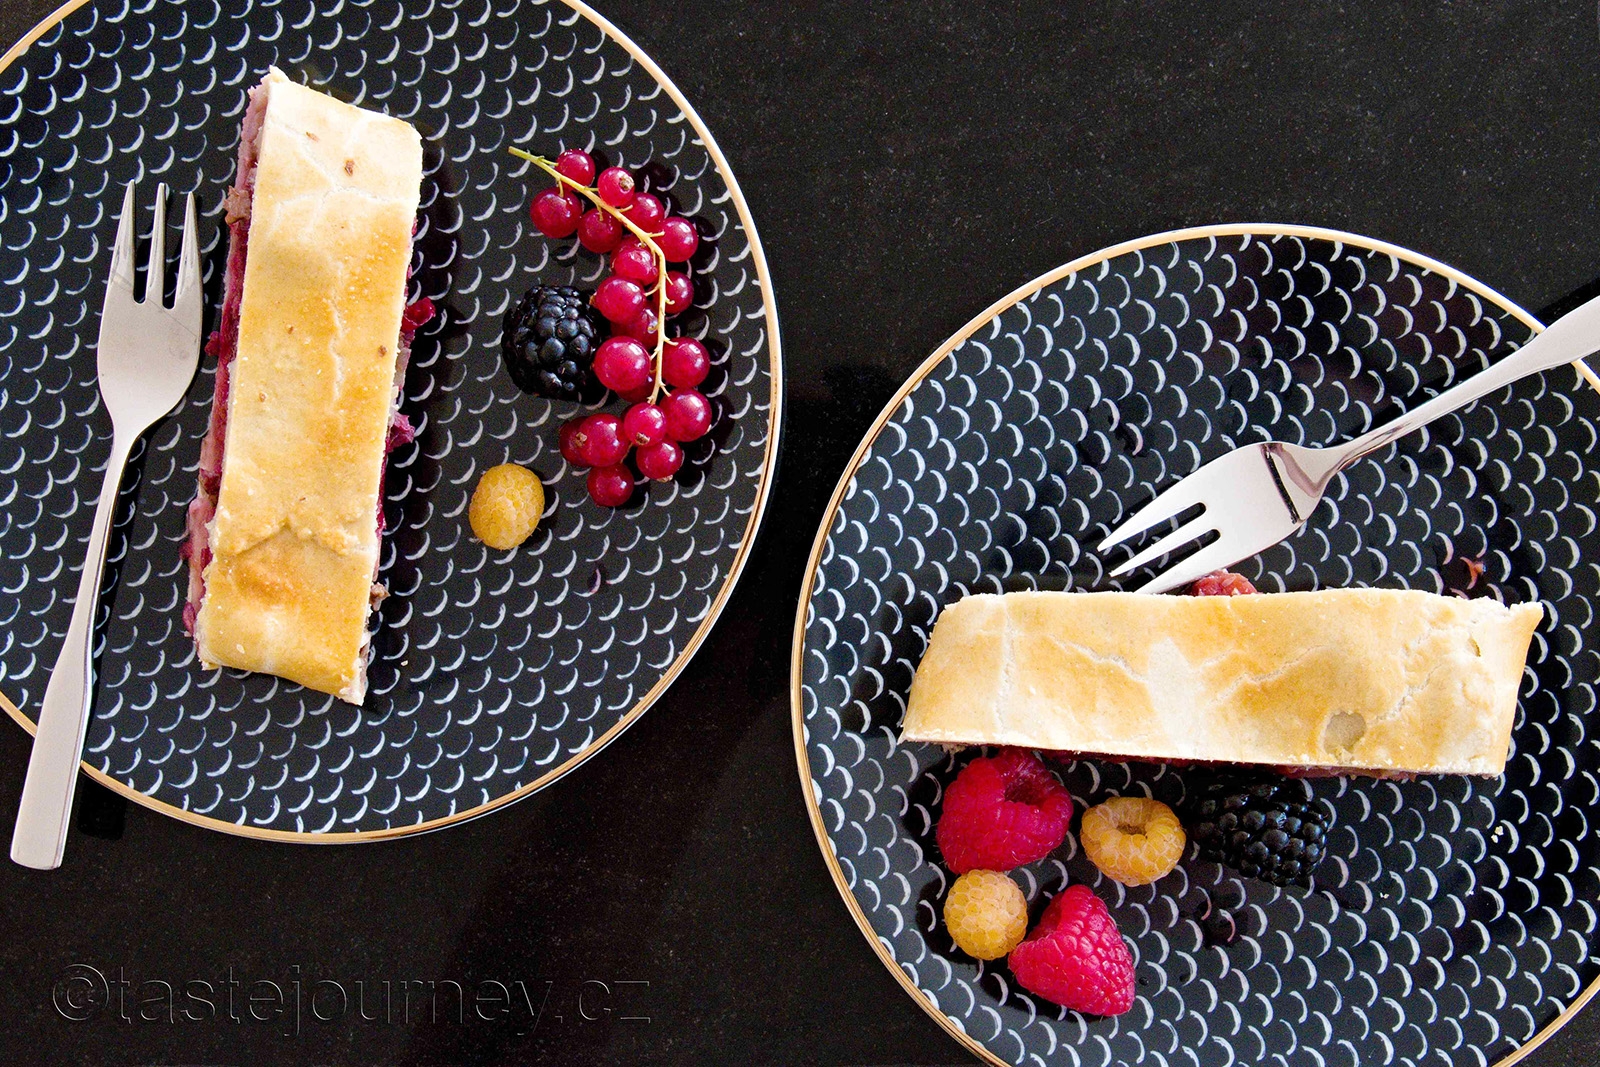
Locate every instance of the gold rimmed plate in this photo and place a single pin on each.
(494, 673)
(1454, 919)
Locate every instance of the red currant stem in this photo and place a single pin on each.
(661, 318)
(647, 239)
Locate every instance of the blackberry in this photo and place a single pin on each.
(1271, 829)
(549, 341)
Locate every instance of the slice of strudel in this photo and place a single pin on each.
(1351, 681)
(284, 529)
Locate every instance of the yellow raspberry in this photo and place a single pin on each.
(506, 506)
(986, 914)
(1134, 840)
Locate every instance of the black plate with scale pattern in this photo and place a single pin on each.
(494, 673)
(1454, 921)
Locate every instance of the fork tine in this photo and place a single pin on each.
(155, 271)
(1218, 554)
(186, 301)
(1176, 539)
(1174, 501)
(189, 257)
(122, 250)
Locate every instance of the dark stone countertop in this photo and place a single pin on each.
(907, 163)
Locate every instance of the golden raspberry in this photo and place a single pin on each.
(506, 506)
(986, 914)
(1134, 840)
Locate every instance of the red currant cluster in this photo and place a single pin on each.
(653, 432)
(638, 361)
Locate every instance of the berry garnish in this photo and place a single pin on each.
(639, 361)
(570, 441)
(610, 487)
(1133, 840)
(985, 914)
(688, 415)
(646, 212)
(549, 342)
(685, 363)
(639, 295)
(616, 187)
(576, 166)
(1222, 583)
(599, 441)
(1002, 811)
(599, 232)
(634, 261)
(644, 424)
(680, 292)
(659, 461)
(506, 506)
(623, 365)
(555, 213)
(678, 239)
(1272, 828)
(1076, 957)
(618, 299)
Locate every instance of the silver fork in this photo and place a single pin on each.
(1257, 495)
(146, 356)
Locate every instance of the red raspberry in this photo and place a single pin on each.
(1076, 957)
(1002, 811)
(1222, 583)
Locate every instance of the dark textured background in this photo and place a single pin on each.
(907, 163)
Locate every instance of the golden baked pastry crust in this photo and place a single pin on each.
(1357, 679)
(294, 541)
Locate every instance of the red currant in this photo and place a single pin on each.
(599, 441)
(610, 487)
(688, 415)
(680, 292)
(678, 239)
(634, 396)
(634, 261)
(616, 187)
(618, 299)
(598, 231)
(576, 165)
(556, 213)
(644, 424)
(659, 462)
(685, 363)
(643, 326)
(571, 438)
(646, 212)
(623, 364)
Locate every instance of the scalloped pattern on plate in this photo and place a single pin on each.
(1455, 917)
(492, 670)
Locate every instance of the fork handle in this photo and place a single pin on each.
(40, 836)
(1567, 340)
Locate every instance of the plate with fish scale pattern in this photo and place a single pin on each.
(494, 673)
(1454, 919)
